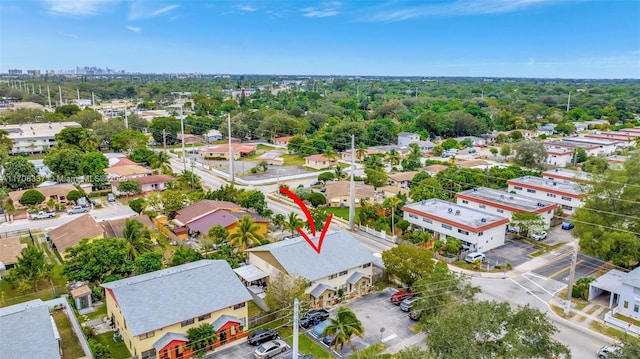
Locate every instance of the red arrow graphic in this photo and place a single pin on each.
(312, 225)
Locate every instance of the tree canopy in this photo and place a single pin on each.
(408, 263)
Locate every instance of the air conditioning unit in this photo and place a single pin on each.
(450, 210)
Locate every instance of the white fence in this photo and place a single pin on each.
(381, 234)
(621, 324)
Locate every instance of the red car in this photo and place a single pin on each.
(401, 295)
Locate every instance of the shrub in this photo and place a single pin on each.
(32, 196)
(326, 176)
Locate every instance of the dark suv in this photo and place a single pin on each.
(262, 335)
(313, 317)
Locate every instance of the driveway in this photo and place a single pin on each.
(242, 350)
(382, 321)
(515, 252)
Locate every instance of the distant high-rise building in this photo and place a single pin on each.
(33, 73)
(15, 72)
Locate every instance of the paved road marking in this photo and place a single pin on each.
(386, 339)
(563, 269)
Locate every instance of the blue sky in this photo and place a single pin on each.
(497, 38)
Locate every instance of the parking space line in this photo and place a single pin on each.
(387, 338)
(564, 269)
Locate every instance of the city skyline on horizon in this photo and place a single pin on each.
(549, 39)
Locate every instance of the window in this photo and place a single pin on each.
(239, 305)
(367, 265)
(480, 234)
(426, 220)
(565, 198)
(463, 232)
(149, 354)
(333, 276)
(500, 210)
(636, 308)
(517, 188)
(465, 201)
(411, 215)
(551, 195)
(344, 273)
(204, 317)
(147, 335)
(482, 206)
(187, 322)
(531, 190)
(446, 226)
(568, 208)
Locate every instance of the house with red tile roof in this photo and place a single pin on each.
(282, 141)
(222, 151)
(149, 183)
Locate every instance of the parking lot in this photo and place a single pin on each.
(515, 252)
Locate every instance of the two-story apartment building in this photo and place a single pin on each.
(401, 179)
(407, 138)
(563, 174)
(35, 137)
(478, 230)
(505, 204)
(566, 194)
(152, 312)
(342, 266)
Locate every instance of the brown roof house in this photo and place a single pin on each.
(126, 172)
(222, 151)
(71, 233)
(402, 179)
(337, 193)
(201, 216)
(115, 227)
(319, 162)
(58, 192)
(148, 183)
(10, 249)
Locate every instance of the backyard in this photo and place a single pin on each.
(70, 344)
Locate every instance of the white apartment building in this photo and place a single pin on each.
(478, 230)
(505, 204)
(35, 137)
(565, 193)
(563, 174)
(559, 157)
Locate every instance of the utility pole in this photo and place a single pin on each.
(49, 96)
(569, 102)
(60, 92)
(352, 185)
(231, 173)
(126, 119)
(572, 272)
(164, 139)
(93, 99)
(296, 308)
(78, 94)
(184, 153)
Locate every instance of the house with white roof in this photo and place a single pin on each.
(29, 331)
(342, 265)
(152, 312)
(478, 230)
(505, 204)
(565, 193)
(35, 137)
(407, 138)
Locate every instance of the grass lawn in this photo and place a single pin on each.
(342, 212)
(292, 160)
(117, 349)
(101, 312)
(254, 310)
(70, 344)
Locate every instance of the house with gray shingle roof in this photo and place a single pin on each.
(153, 311)
(342, 265)
(28, 331)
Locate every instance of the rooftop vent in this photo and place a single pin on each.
(423, 202)
(483, 220)
(502, 196)
(450, 210)
(457, 212)
(511, 198)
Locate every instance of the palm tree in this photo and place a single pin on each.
(393, 157)
(342, 327)
(138, 238)
(191, 179)
(88, 141)
(162, 162)
(330, 154)
(393, 203)
(293, 222)
(361, 151)
(247, 233)
(339, 173)
(415, 153)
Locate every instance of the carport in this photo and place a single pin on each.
(608, 283)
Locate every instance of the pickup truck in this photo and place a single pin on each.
(78, 209)
(43, 215)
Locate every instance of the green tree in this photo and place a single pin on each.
(75, 195)
(148, 262)
(527, 221)
(190, 179)
(342, 327)
(494, 151)
(94, 163)
(317, 199)
(492, 330)
(71, 136)
(105, 130)
(31, 197)
(128, 140)
(445, 288)
(137, 204)
(530, 154)
(393, 157)
(129, 187)
(427, 188)
(607, 222)
(171, 127)
(466, 143)
(283, 289)
(138, 238)
(253, 199)
(30, 269)
(279, 220)
(408, 263)
(376, 178)
(19, 173)
(392, 204)
(247, 234)
(96, 260)
(293, 222)
(502, 138)
(505, 150)
(65, 163)
(449, 143)
(438, 150)
(184, 255)
(68, 110)
(326, 176)
(172, 201)
(629, 347)
(201, 339)
(596, 165)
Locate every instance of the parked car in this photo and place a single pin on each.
(313, 317)
(567, 225)
(605, 351)
(538, 236)
(406, 304)
(414, 314)
(262, 335)
(270, 349)
(400, 295)
(317, 184)
(42, 215)
(111, 197)
(329, 340)
(474, 256)
(78, 209)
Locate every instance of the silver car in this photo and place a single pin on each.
(406, 304)
(270, 349)
(78, 209)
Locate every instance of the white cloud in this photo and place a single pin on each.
(246, 8)
(73, 36)
(389, 12)
(134, 28)
(76, 7)
(324, 10)
(145, 10)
